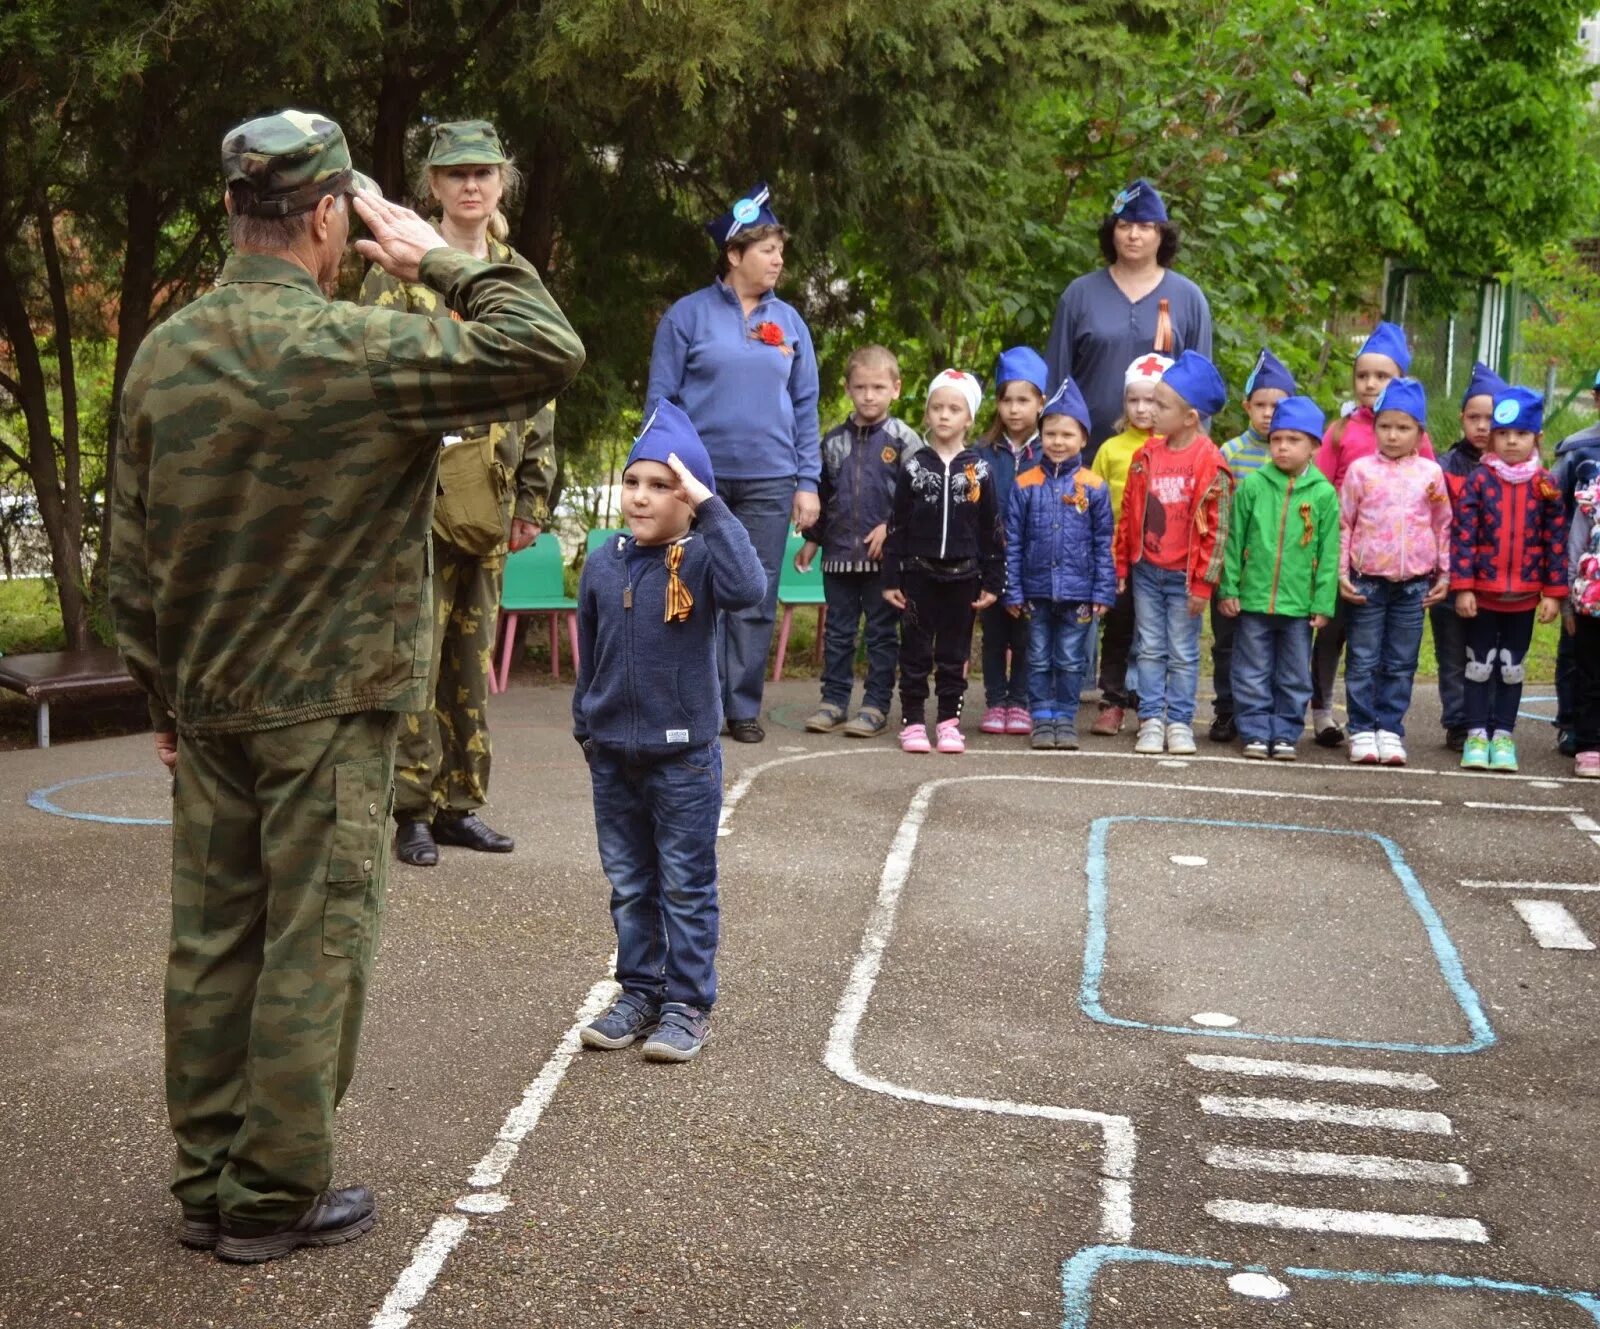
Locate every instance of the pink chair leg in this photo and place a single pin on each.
(783, 643)
(509, 644)
(494, 654)
(555, 647)
(572, 639)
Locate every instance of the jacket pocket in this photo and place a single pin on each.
(359, 801)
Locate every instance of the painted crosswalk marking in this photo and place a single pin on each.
(1476, 885)
(1336, 1114)
(1300, 1070)
(1552, 925)
(1365, 1167)
(1352, 1222)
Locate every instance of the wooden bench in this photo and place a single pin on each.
(52, 676)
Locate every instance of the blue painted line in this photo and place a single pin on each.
(1444, 950)
(1078, 1277)
(41, 799)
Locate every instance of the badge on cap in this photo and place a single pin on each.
(1506, 413)
(1124, 198)
(745, 211)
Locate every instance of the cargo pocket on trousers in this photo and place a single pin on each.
(359, 799)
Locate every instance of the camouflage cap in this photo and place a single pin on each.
(466, 143)
(286, 163)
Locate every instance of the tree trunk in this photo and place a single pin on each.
(399, 94)
(536, 229)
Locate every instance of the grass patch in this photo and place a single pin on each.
(30, 616)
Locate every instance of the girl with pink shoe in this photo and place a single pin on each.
(943, 561)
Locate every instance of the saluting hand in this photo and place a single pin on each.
(399, 237)
(693, 492)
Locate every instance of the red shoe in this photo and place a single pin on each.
(1108, 724)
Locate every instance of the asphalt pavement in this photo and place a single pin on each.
(1066, 1039)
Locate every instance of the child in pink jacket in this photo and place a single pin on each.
(1394, 562)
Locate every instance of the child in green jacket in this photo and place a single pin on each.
(1280, 579)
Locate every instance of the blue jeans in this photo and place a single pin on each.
(1058, 658)
(1380, 664)
(1271, 677)
(1166, 644)
(850, 596)
(744, 636)
(656, 823)
(1003, 634)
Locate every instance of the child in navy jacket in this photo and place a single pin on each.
(647, 709)
(1059, 565)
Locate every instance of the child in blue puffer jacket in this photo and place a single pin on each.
(1059, 565)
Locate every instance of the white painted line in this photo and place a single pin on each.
(417, 1277)
(1585, 823)
(1336, 1114)
(1552, 925)
(1300, 1070)
(486, 1202)
(1543, 784)
(1367, 1167)
(1187, 860)
(1355, 1222)
(1119, 1142)
(1214, 1019)
(1475, 885)
(1263, 1287)
(1520, 807)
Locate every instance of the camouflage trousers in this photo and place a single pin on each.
(443, 756)
(279, 866)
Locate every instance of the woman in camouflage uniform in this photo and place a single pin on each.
(442, 760)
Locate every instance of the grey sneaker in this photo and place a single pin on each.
(1066, 736)
(681, 1034)
(1044, 736)
(631, 1017)
(1180, 740)
(825, 719)
(868, 722)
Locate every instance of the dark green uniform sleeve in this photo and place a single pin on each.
(536, 470)
(127, 577)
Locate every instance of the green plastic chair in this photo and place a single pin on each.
(601, 536)
(796, 589)
(535, 583)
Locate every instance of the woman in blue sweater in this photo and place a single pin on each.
(740, 363)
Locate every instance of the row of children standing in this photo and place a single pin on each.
(1352, 531)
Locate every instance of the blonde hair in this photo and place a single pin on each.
(872, 357)
(510, 187)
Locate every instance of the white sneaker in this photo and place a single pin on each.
(1256, 750)
(1391, 751)
(1152, 740)
(1364, 748)
(1180, 740)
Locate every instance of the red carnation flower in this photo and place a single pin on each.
(770, 334)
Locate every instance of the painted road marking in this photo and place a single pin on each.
(1585, 823)
(1475, 885)
(416, 1278)
(1552, 925)
(1264, 1287)
(1366, 1167)
(1187, 860)
(1215, 1019)
(1445, 954)
(1352, 1222)
(1119, 1142)
(1299, 1070)
(1335, 1114)
(42, 800)
(1520, 807)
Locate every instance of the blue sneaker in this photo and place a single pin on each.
(681, 1034)
(631, 1017)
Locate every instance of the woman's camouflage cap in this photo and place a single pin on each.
(286, 163)
(466, 143)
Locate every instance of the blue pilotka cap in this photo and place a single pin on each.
(1388, 339)
(1519, 408)
(1270, 372)
(668, 431)
(752, 209)
(1403, 394)
(1299, 413)
(1068, 401)
(1195, 379)
(1139, 202)
(1483, 383)
(1021, 364)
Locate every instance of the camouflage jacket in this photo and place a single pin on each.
(526, 448)
(276, 468)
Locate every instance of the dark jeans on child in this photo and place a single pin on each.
(1003, 636)
(936, 635)
(1497, 644)
(1058, 656)
(656, 823)
(1326, 651)
(1586, 682)
(849, 597)
(1450, 654)
(1385, 636)
(1116, 646)
(1223, 629)
(1567, 680)
(1271, 676)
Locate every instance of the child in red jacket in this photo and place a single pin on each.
(1508, 565)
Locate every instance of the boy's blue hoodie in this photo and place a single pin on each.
(754, 405)
(859, 466)
(648, 688)
(1576, 460)
(1058, 536)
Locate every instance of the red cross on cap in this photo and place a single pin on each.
(1149, 365)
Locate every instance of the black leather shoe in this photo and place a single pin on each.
(469, 832)
(198, 1231)
(413, 844)
(336, 1216)
(746, 731)
(1223, 729)
(1455, 739)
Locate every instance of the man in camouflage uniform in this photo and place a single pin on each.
(269, 583)
(444, 753)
